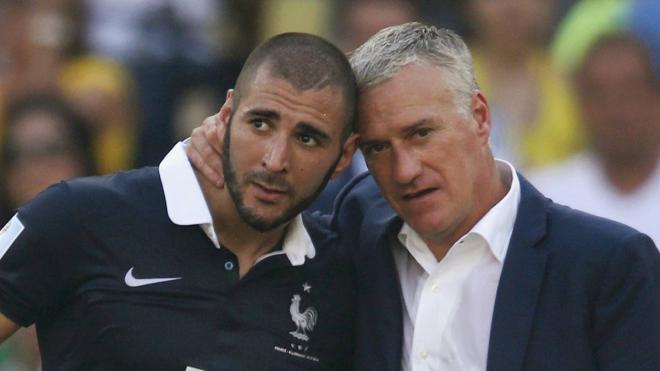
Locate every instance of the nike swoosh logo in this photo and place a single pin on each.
(131, 281)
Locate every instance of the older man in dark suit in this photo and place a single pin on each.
(467, 266)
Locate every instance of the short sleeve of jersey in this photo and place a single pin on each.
(36, 256)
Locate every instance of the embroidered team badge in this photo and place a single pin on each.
(305, 321)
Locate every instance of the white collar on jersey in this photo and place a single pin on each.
(186, 205)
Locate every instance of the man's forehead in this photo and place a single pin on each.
(277, 99)
(280, 90)
(264, 77)
(416, 93)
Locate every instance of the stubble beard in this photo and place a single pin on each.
(248, 215)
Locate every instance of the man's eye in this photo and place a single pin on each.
(423, 132)
(374, 149)
(260, 125)
(308, 140)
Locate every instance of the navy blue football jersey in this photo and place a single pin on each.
(113, 284)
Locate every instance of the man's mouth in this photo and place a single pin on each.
(418, 194)
(268, 194)
(270, 189)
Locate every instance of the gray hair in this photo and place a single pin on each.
(392, 48)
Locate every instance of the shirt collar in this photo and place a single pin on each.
(495, 227)
(186, 205)
(183, 195)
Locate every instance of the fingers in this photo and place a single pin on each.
(198, 162)
(219, 128)
(212, 126)
(206, 170)
(204, 154)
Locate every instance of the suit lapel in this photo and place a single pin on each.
(379, 308)
(520, 283)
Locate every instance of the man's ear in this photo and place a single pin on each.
(481, 115)
(347, 152)
(227, 107)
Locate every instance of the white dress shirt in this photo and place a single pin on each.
(448, 304)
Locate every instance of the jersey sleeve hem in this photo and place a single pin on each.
(14, 312)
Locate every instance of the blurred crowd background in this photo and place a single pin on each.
(95, 86)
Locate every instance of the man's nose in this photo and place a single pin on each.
(406, 166)
(276, 157)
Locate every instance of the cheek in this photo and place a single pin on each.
(380, 170)
(310, 168)
(246, 151)
(381, 173)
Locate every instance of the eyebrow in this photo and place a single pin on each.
(416, 125)
(265, 113)
(304, 127)
(406, 131)
(309, 128)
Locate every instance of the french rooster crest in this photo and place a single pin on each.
(305, 321)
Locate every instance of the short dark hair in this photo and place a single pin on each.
(307, 62)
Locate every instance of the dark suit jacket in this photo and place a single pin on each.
(577, 292)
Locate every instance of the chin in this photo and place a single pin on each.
(428, 225)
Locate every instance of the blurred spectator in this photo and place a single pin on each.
(618, 176)
(44, 53)
(532, 106)
(154, 30)
(35, 38)
(44, 143)
(358, 20)
(170, 46)
(585, 22)
(588, 20)
(102, 92)
(32, 35)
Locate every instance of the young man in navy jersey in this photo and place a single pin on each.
(157, 269)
